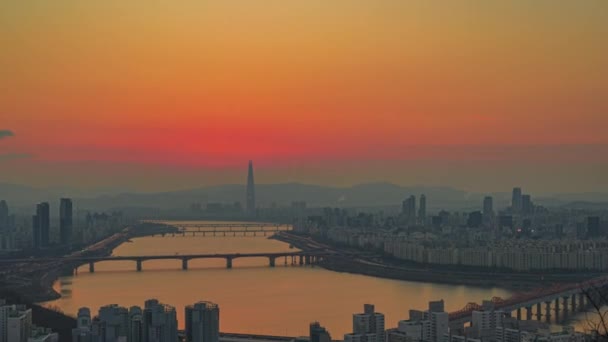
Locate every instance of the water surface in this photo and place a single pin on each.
(253, 297)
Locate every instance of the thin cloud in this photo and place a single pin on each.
(4, 133)
(13, 156)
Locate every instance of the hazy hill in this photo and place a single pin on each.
(378, 194)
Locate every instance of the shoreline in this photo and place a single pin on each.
(400, 270)
(42, 289)
(40, 283)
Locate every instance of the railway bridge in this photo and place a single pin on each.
(559, 299)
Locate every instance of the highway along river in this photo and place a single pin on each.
(253, 297)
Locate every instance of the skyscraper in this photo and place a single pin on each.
(408, 209)
(65, 221)
(488, 210)
(202, 322)
(42, 225)
(516, 200)
(527, 207)
(250, 191)
(422, 209)
(3, 215)
(35, 232)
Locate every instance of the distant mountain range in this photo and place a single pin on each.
(376, 195)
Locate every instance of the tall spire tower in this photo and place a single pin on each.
(250, 191)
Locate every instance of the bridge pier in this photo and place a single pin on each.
(92, 267)
(519, 314)
(548, 310)
(301, 261)
(573, 303)
(307, 259)
(139, 265)
(184, 264)
(528, 313)
(594, 297)
(271, 261)
(581, 302)
(228, 262)
(565, 304)
(539, 312)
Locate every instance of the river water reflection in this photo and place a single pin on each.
(253, 297)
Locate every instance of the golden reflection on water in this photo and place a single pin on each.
(253, 297)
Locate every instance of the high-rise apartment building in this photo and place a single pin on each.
(408, 209)
(488, 210)
(527, 208)
(113, 321)
(136, 325)
(3, 215)
(15, 323)
(318, 333)
(484, 323)
(160, 322)
(41, 226)
(65, 221)
(422, 210)
(516, 200)
(202, 322)
(367, 326)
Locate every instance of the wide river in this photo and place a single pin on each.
(253, 297)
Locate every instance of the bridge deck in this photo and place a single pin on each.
(174, 256)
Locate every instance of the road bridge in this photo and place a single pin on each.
(558, 300)
(300, 258)
(228, 226)
(252, 232)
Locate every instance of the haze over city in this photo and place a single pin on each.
(303, 171)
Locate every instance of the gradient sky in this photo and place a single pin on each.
(154, 95)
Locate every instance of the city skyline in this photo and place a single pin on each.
(316, 169)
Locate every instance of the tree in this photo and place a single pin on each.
(596, 319)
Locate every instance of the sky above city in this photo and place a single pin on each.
(159, 95)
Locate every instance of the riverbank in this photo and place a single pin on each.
(34, 282)
(377, 266)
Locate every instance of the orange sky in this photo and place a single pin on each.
(332, 92)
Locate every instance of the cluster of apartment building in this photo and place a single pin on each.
(514, 254)
(156, 322)
(16, 325)
(433, 325)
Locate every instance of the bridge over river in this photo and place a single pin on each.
(301, 258)
(558, 300)
(223, 229)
